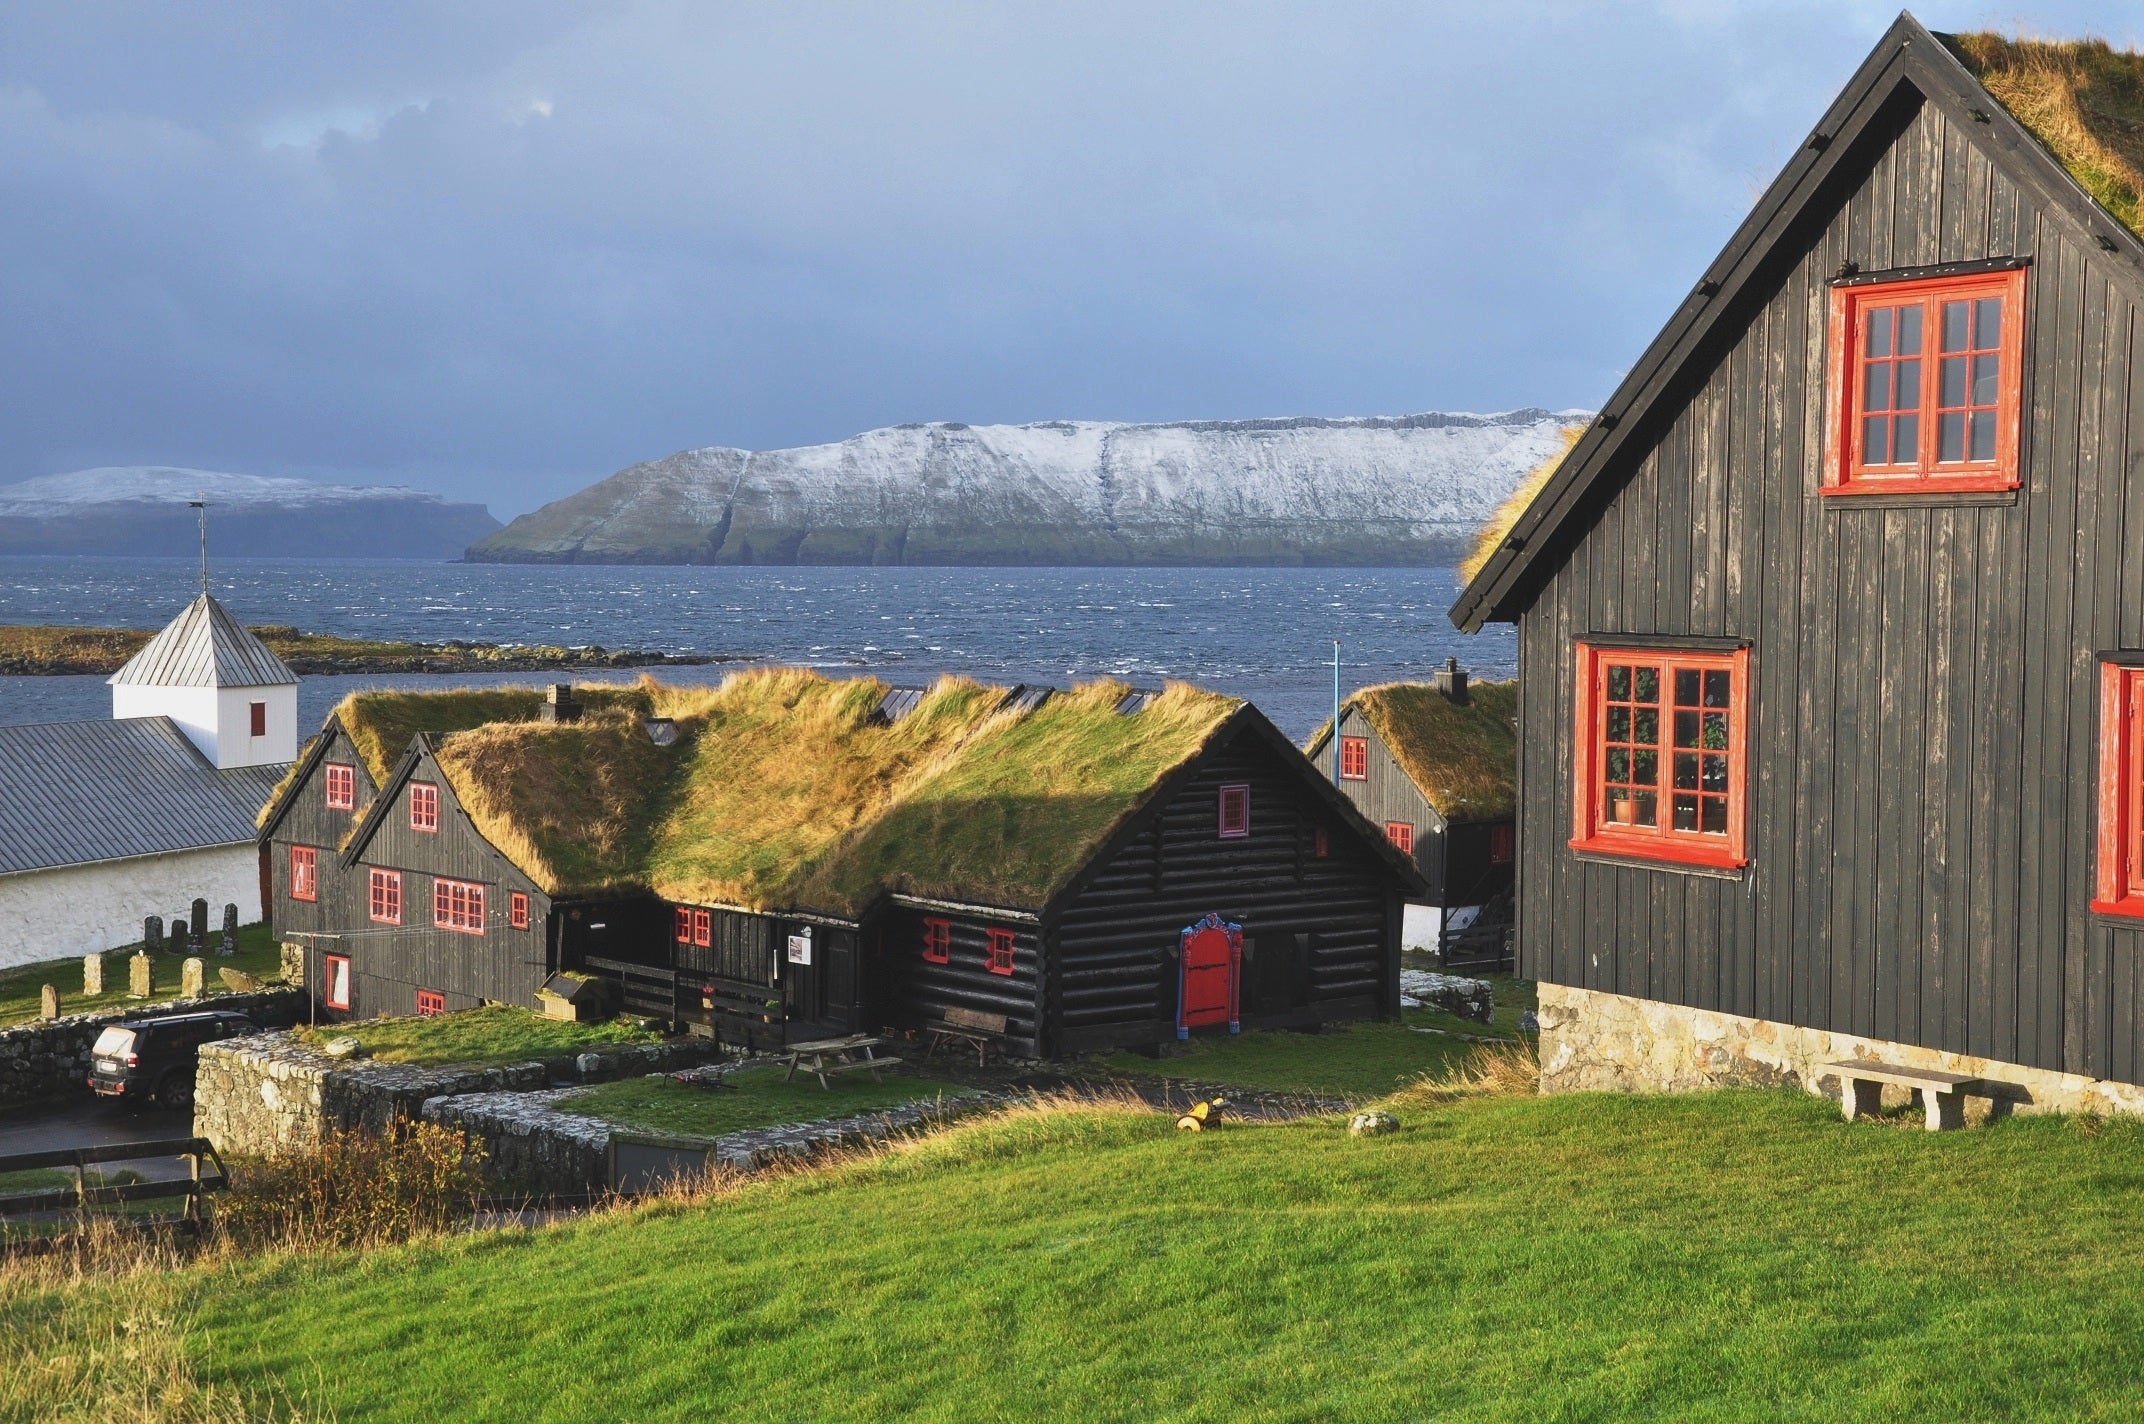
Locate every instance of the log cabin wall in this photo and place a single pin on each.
(1923, 676)
(912, 992)
(1321, 935)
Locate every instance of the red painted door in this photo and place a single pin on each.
(1208, 967)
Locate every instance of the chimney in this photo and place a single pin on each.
(1451, 680)
(558, 704)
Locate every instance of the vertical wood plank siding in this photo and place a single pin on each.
(1389, 794)
(1923, 676)
(309, 822)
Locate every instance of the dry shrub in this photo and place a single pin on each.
(355, 1189)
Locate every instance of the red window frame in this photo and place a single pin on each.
(703, 928)
(681, 925)
(937, 941)
(1503, 840)
(457, 905)
(517, 909)
(386, 897)
(342, 786)
(997, 955)
(1948, 390)
(424, 806)
(430, 1002)
(1600, 823)
(2119, 885)
(257, 718)
(304, 873)
(1234, 811)
(335, 975)
(1354, 758)
(1401, 834)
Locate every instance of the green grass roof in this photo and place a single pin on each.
(2083, 99)
(1465, 758)
(785, 790)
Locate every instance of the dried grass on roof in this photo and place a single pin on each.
(1465, 758)
(2084, 99)
(1507, 514)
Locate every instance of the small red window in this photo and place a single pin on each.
(1354, 758)
(517, 910)
(1235, 812)
(997, 958)
(1321, 845)
(342, 787)
(1925, 388)
(335, 981)
(387, 897)
(429, 1002)
(1401, 834)
(681, 925)
(1661, 770)
(423, 806)
(703, 928)
(2120, 883)
(937, 941)
(304, 873)
(259, 718)
(457, 905)
(1500, 843)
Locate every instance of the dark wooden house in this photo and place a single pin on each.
(1831, 626)
(788, 857)
(1435, 764)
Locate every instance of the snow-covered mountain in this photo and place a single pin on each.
(142, 509)
(1371, 490)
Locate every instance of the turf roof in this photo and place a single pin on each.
(1464, 757)
(1507, 514)
(784, 790)
(2083, 99)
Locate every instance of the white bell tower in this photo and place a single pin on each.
(234, 699)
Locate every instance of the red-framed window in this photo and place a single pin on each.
(1354, 758)
(335, 981)
(517, 909)
(1235, 812)
(430, 1002)
(1501, 843)
(387, 897)
(703, 928)
(1401, 834)
(681, 925)
(304, 873)
(937, 941)
(423, 806)
(1321, 844)
(342, 786)
(457, 905)
(2119, 885)
(1926, 385)
(1661, 772)
(257, 718)
(997, 955)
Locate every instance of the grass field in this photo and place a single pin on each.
(756, 1097)
(20, 987)
(490, 1035)
(1732, 1256)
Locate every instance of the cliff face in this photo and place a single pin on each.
(1407, 489)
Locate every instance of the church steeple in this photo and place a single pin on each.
(235, 700)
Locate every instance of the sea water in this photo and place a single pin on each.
(1262, 634)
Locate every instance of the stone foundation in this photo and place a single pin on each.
(1593, 1041)
(41, 1061)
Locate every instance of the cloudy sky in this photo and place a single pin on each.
(500, 248)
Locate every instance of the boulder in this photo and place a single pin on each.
(1372, 1124)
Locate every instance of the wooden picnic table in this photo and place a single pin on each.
(855, 1053)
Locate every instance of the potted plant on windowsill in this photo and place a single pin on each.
(1625, 810)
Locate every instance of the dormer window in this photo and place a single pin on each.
(1925, 388)
(342, 787)
(423, 806)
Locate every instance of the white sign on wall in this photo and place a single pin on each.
(800, 947)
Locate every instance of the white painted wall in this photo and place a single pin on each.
(219, 720)
(82, 909)
(1419, 926)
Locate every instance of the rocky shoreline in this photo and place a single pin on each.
(60, 652)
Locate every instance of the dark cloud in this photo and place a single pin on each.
(501, 249)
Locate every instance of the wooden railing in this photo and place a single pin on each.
(644, 989)
(82, 1195)
(1477, 947)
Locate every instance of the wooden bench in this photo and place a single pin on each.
(969, 1026)
(1861, 1083)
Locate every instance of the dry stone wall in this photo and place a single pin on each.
(41, 1061)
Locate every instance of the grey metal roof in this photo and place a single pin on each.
(204, 647)
(74, 793)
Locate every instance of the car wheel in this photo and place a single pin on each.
(176, 1091)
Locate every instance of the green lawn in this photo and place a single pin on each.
(1359, 1061)
(21, 987)
(756, 1097)
(490, 1035)
(1731, 1256)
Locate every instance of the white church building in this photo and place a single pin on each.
(103, 824)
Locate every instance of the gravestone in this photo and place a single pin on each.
(92, 974)
(141, 976)
(175, 942)
(229, 943)
(152, 932)
(193, 976)
(199, 933)
(48, 1003)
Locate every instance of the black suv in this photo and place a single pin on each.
(145, 1060)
